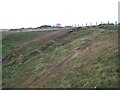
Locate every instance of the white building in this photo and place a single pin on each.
(58, 25)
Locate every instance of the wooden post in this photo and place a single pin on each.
(90, 24)
(72, 25)
(75, 25)
(96, 23)
(86, 24)
(82, 25)
(115, 22)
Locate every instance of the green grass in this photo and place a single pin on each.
(96, 66)
(9, 41)
(110, 27)
(91, 69)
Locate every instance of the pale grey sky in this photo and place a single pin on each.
(119, 13)
(33, 13)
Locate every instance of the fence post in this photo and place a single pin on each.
(108, 22)
(96, 23)
(75, 25)
(115, 22)
(82, 25)
(86, 24)
(90, 24)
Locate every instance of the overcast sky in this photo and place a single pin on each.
(33, 13)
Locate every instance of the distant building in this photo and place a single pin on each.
(58, 25)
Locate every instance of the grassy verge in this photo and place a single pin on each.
(95, 67)
(12, 40)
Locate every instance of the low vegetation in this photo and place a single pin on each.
(76, 59)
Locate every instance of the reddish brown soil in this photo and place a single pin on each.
(42, 78)
(50, 36)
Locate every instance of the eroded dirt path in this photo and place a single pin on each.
(50, 36)
(40, 40)
(42, 78)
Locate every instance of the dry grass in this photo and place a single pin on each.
(85, 58)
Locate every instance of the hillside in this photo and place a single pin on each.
(61, 59)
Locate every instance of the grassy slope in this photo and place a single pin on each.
(96, 65)
(12, 40)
